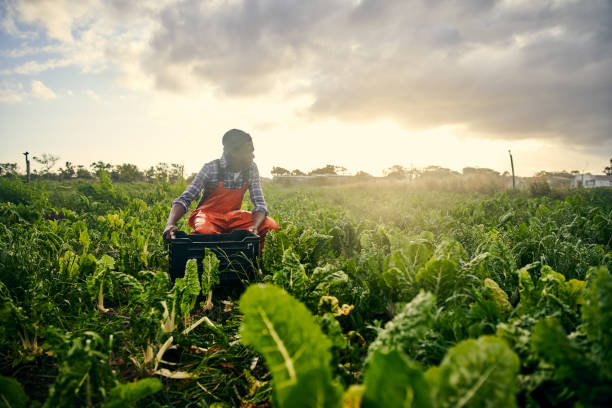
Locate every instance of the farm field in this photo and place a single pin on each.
(366, 296)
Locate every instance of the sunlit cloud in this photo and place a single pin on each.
(11, 92)
(92, 95)
(413, 76)
(41, 91)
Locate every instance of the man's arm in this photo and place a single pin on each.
(258, 219)
(181, 204)
(260, 211)
(176, 213)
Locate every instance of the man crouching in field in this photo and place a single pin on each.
(223, 183)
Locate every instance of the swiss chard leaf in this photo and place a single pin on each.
(125, 394)
(392, 381)
(597, 316)
(12, 393)
(440, 277)
(408, 327)
(296, 351)
(476, 373)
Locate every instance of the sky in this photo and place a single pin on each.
(364, 84)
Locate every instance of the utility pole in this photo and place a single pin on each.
(512, 165)
(27, 167)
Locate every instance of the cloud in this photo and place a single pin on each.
(92, 95)
(505, 69)
(11, 92)
(41, 91)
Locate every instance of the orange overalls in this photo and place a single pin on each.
(221, 213)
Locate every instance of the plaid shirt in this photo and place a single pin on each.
(209, 176)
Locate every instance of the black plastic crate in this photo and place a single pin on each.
(237, 253)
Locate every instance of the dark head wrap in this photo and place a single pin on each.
(234, 138)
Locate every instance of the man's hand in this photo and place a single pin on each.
(169, 232)
(258, 219)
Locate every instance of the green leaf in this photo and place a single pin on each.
(476, 373)
(550, 295)
(393, 381)
(84, 240)
(324, 278)
(439, 276)
(292, 276)
(408, 327)
(210, 271)
(582, 374)
(126, 394)
(450, 249)
(187, 289)
(597, 316)
(499, 296)
(296, 351)
(12, 394)
(550, 342)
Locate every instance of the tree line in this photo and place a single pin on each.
(126, 172)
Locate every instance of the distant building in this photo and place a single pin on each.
(590, 181)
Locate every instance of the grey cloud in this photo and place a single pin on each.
(422, 63)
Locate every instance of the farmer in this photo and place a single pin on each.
(223, 183)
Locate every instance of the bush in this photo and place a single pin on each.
(14, 190)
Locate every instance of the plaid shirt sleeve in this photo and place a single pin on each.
(255, 192)
(193, 190)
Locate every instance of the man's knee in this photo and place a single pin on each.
(206, 228)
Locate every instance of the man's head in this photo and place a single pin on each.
(238, 148)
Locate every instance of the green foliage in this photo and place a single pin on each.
(210, 270)
(126, 394)
(409, 328)
(441, 277)
(392, 381)
(499, 297)
(292, 277)
(186, 289)
(84, 371)
(550, 295)
(501, 264)
(12, 394)
(597, 317)
(476, 373)
(296, 351)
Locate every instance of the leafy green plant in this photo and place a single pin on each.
(409, 328)
(124, 395)
(296, 351)
(476, 373)
(12, 394)
(393, 381)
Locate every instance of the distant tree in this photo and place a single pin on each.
(47, 161)
(128, 173)
(162, 171)
(176, 172)
(100, 165)
(477, 171)
(396, 172)
(297, 172)
(279, 171)
(608, 170)
(330, 170)
(150, 174)
(363, 174)
(8, 168)
(437, 171)
(82, 172)
(68, 172)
